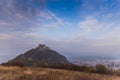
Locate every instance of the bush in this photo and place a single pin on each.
(101, 69)
(13, 64)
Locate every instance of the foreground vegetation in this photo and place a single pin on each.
(25, 73)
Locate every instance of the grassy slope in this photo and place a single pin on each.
(16, 73)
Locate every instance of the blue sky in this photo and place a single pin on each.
(71, 27)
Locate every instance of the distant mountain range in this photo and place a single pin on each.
(40, 56)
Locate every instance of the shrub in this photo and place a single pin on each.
(13, 64)
(101, 69)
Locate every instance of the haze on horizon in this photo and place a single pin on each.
(71, 27)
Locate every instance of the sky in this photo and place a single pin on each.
(71, 27)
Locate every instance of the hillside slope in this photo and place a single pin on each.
(16, 73)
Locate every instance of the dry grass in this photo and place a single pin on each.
(16, 73)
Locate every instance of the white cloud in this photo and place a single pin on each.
(112, 34)
(48, 15)
(92, 24)
(4, 36)
(2, 24)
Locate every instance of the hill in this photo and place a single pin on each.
(17, 73)
(41, 56)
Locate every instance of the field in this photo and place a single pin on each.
(17, 73)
